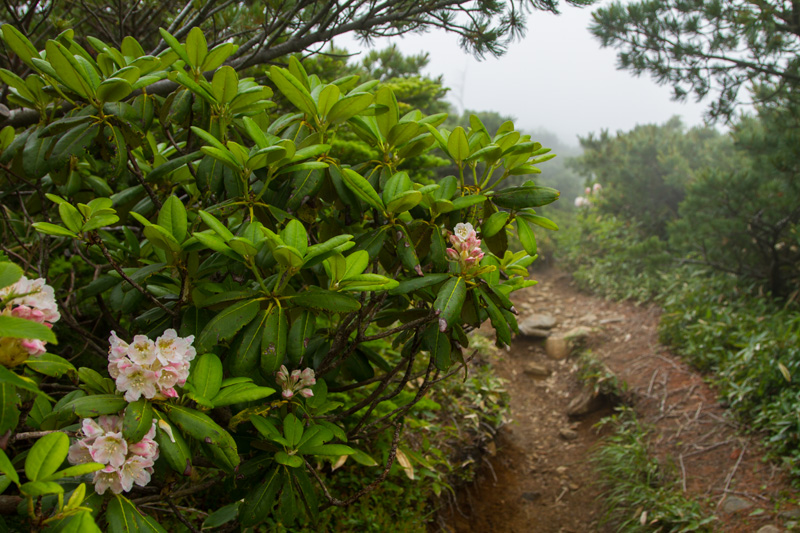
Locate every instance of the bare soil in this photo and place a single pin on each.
(537, 477)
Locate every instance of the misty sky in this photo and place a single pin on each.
(558, 78)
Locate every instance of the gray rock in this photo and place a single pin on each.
(568, 434)
(537, 370)
(769, 529)
(538, 321)
(534, 333)
(557, 348)
(589, 318)
(585, 403)
(733, 504)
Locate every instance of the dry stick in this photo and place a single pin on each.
(708, 448)
(683, 472)
(37, 434)
(95, 239)
(652, 381)
(177, 494)
(369, 488)
(178, 514)
(733, 472)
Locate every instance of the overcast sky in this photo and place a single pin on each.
(558, 78)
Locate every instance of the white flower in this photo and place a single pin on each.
(142, 351)
(463, 231)
(110, 449)
(107, 478)
(135, 470)
(136, 381)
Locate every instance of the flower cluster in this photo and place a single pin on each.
(28, 299)
(586, 201)
(126, 463)
(296, 382)
(150, 369)
(466, 248)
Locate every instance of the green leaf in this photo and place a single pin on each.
(546, 223)
(34, 489)
(177, 454)
(50, 365)
(329, 449)
(9, 274)
(462, 202)
(207, 375)
(293, 90)
(437, 343)
(124, 517)
(368, 282)
(296, 236)
(458, 145)
(327, 98)
(449, 301)
(404, 202)
(273, 341)
(15, 380)
(7, 468)
(70, 216)
(241, 393)
(362, 188)
(19, 328)
(9, 400)
(324, 300)
(526, 236)
(292, 429)
(19, 44)
(81, 522)
(226, 324)
(114, 90)
(300, 334)
(494, 223)
(200, 427)
(521, 197)
(95, 405)
(348, 107)
(52, 229)
(222, 516)
(46, 456)
(162, 238)
(138, 420)
(258, 503)
(225, 85)
(196, 47)
(72, 143)
(413, 284)
(74, 471)
(172, 218)
(212, 222)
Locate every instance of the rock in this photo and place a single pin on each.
(568, 434)
(574, 486)
(537, 370)
(537, 321)
(612, 320)
(769, 529)
(585, 403)
(557, 348)
(534, 333)
(578, 334)
(589, 318)
(792, 514)
(561, 470)
(733, 504)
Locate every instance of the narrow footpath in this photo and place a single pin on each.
(537, 478)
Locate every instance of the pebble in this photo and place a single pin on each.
(733, 504)
(769, 529)
(537, 370)
(568, 434)
(557, 348)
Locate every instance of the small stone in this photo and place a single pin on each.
(568, 434)
(538, 321)
(535, 333)
(585, 403)
(557, 348)
(531, 496)
(769, 529)
(537, 370)
(561, 470)
(589, 318)
(733, 504)
(574, 486)
(612, 320)
(578, 334)
(791, 513)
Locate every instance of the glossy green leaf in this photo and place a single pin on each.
(526, 236)
(7, 468)
(241, 393)
(114, 90)
(74, 471)
(19, 328)
(413, 284)
(324, 300)
(437, 343)
(9, 274)
(458, 145)
(293, 90)
(50, 365)
(172, 218)
(300, 333)
(273, 341)
(225, 85)
(196, 47)
(46, 456)
(258, 502)
(177, 454)
(521, 197)
(362, 188)
(137, 420)
(202, 428)
(449, 301)
(207, 375)
(95, 405)
(494, 223)
(124, 517)
(226, 324)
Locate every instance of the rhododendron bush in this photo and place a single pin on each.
(237, 305)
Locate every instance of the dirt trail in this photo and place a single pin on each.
(538, 479)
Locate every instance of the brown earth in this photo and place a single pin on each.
(538, 478)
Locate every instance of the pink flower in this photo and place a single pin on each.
(126, 462)
(466, 248)
(135, 470)
(296, 382)
(136, 382)
(118, 347)
(142, 351)
(110, 449)
(597, 188)
(107, 478)
(34, 347)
